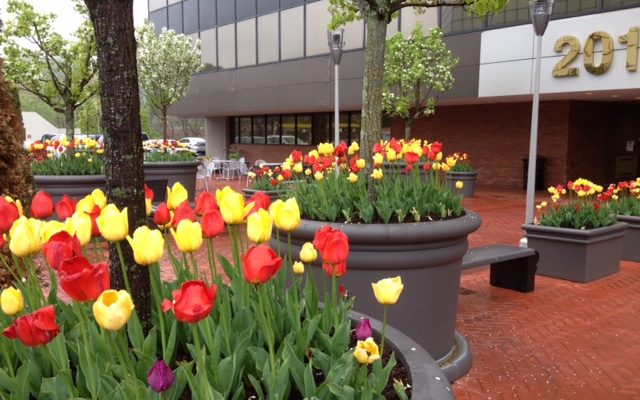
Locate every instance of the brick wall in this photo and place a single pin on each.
(590, 145)
(496, 136)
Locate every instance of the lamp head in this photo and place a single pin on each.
(336, 43)
(540, 11)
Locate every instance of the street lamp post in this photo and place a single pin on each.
(540, 11)
(336, 43)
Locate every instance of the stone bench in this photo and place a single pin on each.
(511, 267)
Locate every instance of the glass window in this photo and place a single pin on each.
(208, 48)
(290, 3)
(321, 128)
(344, 127)
(273, 129)
(572, 7)
(304, 130)
(268, 38)
(190, 11)
(245, 130)
(288, 129)
(235, 124)
(317, 28)
(155, 4)
(259, 130)
(619, 3)
(354, 127)
(159, 19)
(175, 17)
(245, 9)
(207, 14)
(227, 46)
(291, 33)
(265, 6)
(226, 11)
(247, 42)
(173, 1)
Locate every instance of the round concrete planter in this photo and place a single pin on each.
(398, 168)
(76, 186)
(428, 382)
(468, 180)
(428, 257)
(631, 244)
(273, 194)
(575, 254)
(178, 171)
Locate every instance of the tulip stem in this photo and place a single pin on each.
(156, 287)
(85, 322)
(7, 360)
(212, 260)
(334, 297)
(384, 330)
(270, 336)
(35, 289)
(196, 271)
(172, 258)
(123, 265)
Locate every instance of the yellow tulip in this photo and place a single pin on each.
(308, 253)
(378, 159)
(148, 208)
(308, 172)
(86, 204)
(188, 236)
(50, 228)
(99, 198)
(259, 226)
(113, 224)
(113, 309)
(326, 149)
(353, 178)
(318, 176)
(176, 195)
(451, 161)
(232, 206)
(391, 155)
(354, 148)
(387, 291)
(286, 214)
(298, 268)
(459, 185)
(361, 163)
(11, 301)
(445, 167)
(24, 237)
(297, 168)
(439, 156)
(377, 174)
(80, 224)
(366, 351)
(147, 245)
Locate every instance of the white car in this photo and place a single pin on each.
(196, 144)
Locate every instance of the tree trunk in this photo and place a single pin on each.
(164, 122)
(407, 128)
(113, 24)
(69, 121)
(372, 84)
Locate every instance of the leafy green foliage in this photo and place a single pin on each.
(578, 215)
(416, 69)
(166, 156)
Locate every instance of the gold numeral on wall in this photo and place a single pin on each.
(631, 40)
(562, 69)
(607, 53)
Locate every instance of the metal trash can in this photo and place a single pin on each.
(540, 169)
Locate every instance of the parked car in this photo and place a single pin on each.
(196, 144)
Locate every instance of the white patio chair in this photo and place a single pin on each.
(231, 169)
(214, 166)
(203, 175)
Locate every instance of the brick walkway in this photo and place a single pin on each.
(563, 341)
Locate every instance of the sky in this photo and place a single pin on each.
(68, 20)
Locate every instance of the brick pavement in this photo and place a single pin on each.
(563, 341)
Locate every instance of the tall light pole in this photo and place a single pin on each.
(336, 43)
(540, 11)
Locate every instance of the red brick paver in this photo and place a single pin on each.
(563, 341)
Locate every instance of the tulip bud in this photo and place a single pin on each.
(113, 309)
(387, 291)
(308, 253)
(188, 236)
(176, 195)
(113, 224)
(147, 245)
(366, 351)
(459, 185)
(286, 214)
(160, 377)
(11, 301)
(363, 329)
(298, 268)
(99, 198)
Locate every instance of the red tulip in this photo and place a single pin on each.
(184, 211)
(436, 147)
(193, 302)
(296, 156)
(332, 244)
(8, 214)
(395, 145)
(162, 215)
(148, 192)
(259, 200)
(66, 207)
(411, 158)
(3, 242)
(41, 205)
(34, 329)
(204, 202)
(337, 269)
(260, 264)
(60, 247)
(83, 281)
(212, 223)
(94, 214)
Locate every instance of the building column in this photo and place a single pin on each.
(215, 129)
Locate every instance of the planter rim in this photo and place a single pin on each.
(405, 233)
(578, 233)
(427, 379)
(170, 163)
(68, 178)
(628, 218)
(467, 173)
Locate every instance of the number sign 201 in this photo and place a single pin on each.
(562, 68)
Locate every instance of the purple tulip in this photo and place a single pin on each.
(160, 377)
(363, 329)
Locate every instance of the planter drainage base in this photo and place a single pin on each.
(458, 362)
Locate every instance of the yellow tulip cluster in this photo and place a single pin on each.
(366, 351)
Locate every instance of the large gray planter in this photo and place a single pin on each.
(177, 171)
(428, 257)
(428, 382)
(631, 244)
(574, 254)
(468, 180)
(77, 186)
(273, 194)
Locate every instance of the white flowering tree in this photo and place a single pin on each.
(165, 65)
(416, 69)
